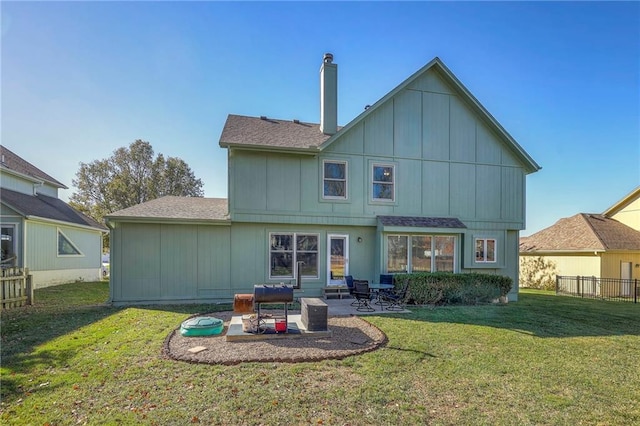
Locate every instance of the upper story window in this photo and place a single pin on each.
(383, 182)
(66, 247)
(485, 250)
(334, 179)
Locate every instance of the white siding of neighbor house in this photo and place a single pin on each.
(25, 186)
(42, 253)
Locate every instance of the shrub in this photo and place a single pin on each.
(537, 272)
(446, 288)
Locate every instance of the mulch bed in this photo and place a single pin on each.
(350, 335)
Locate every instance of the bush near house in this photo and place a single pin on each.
(446, 288)
(537, 272)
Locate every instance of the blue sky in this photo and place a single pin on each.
(81, 79)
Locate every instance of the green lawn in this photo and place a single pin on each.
(543, 360)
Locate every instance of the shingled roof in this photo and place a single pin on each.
(583, 232)
(13, 162)
(42, 206)
(246, 131)
(177, 208)
(421, 222)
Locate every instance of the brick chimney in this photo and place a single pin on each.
(328, 95)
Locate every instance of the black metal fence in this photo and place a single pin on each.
(599, 288)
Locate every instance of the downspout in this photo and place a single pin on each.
(24, 243)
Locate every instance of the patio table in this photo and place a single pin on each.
(378, 288)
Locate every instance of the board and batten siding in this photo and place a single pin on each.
(169, 262)
(448, 163)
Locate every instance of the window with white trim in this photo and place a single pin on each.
(334, 179)
(383, 182)
(286, 249)
(66, 247)
(420, 253)
(485, 250)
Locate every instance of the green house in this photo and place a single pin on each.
(40, 231)
(425, 179)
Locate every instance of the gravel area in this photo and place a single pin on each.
(351, 335)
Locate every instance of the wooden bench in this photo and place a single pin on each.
(338, 291)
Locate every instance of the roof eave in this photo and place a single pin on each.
(311, 150)
(33, 179)
(626, 200)
(110, 220)
(65, 223)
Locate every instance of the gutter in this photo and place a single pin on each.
(64, 223)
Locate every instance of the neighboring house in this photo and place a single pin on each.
(41, 232)
(603, 245)
(423, 180)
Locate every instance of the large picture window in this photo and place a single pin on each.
(66, 247)
(286, 249)
(421, 253)
(485, 250)
(383, 182)
(334, 179)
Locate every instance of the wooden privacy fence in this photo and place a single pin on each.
(17, 289)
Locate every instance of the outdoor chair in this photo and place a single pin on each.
(397, 299)
(384, 279)
(363, 296)
(348, 279)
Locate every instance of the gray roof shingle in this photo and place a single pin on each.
(268, 132)
(421, 222)
(582, 232)
(46, 207)
(16, 163)
(177, 208)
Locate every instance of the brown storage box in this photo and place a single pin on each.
(243, 304)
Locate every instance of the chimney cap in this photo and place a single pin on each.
(328, 58)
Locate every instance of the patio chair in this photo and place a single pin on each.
(384, 279)
(397, 299)
(348, 279)
(363, 296)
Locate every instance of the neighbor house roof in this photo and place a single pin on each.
(421, 222)
(583, 232)
(14, 163)
(255, 132)
(176, 208)
(44, 207)
(272, 134)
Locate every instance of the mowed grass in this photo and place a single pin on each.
(546, 359)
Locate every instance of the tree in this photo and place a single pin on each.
(130, 176)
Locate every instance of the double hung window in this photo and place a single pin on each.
(334, 180)
(286, 249)
(383, 182)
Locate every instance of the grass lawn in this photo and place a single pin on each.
(544, 360)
